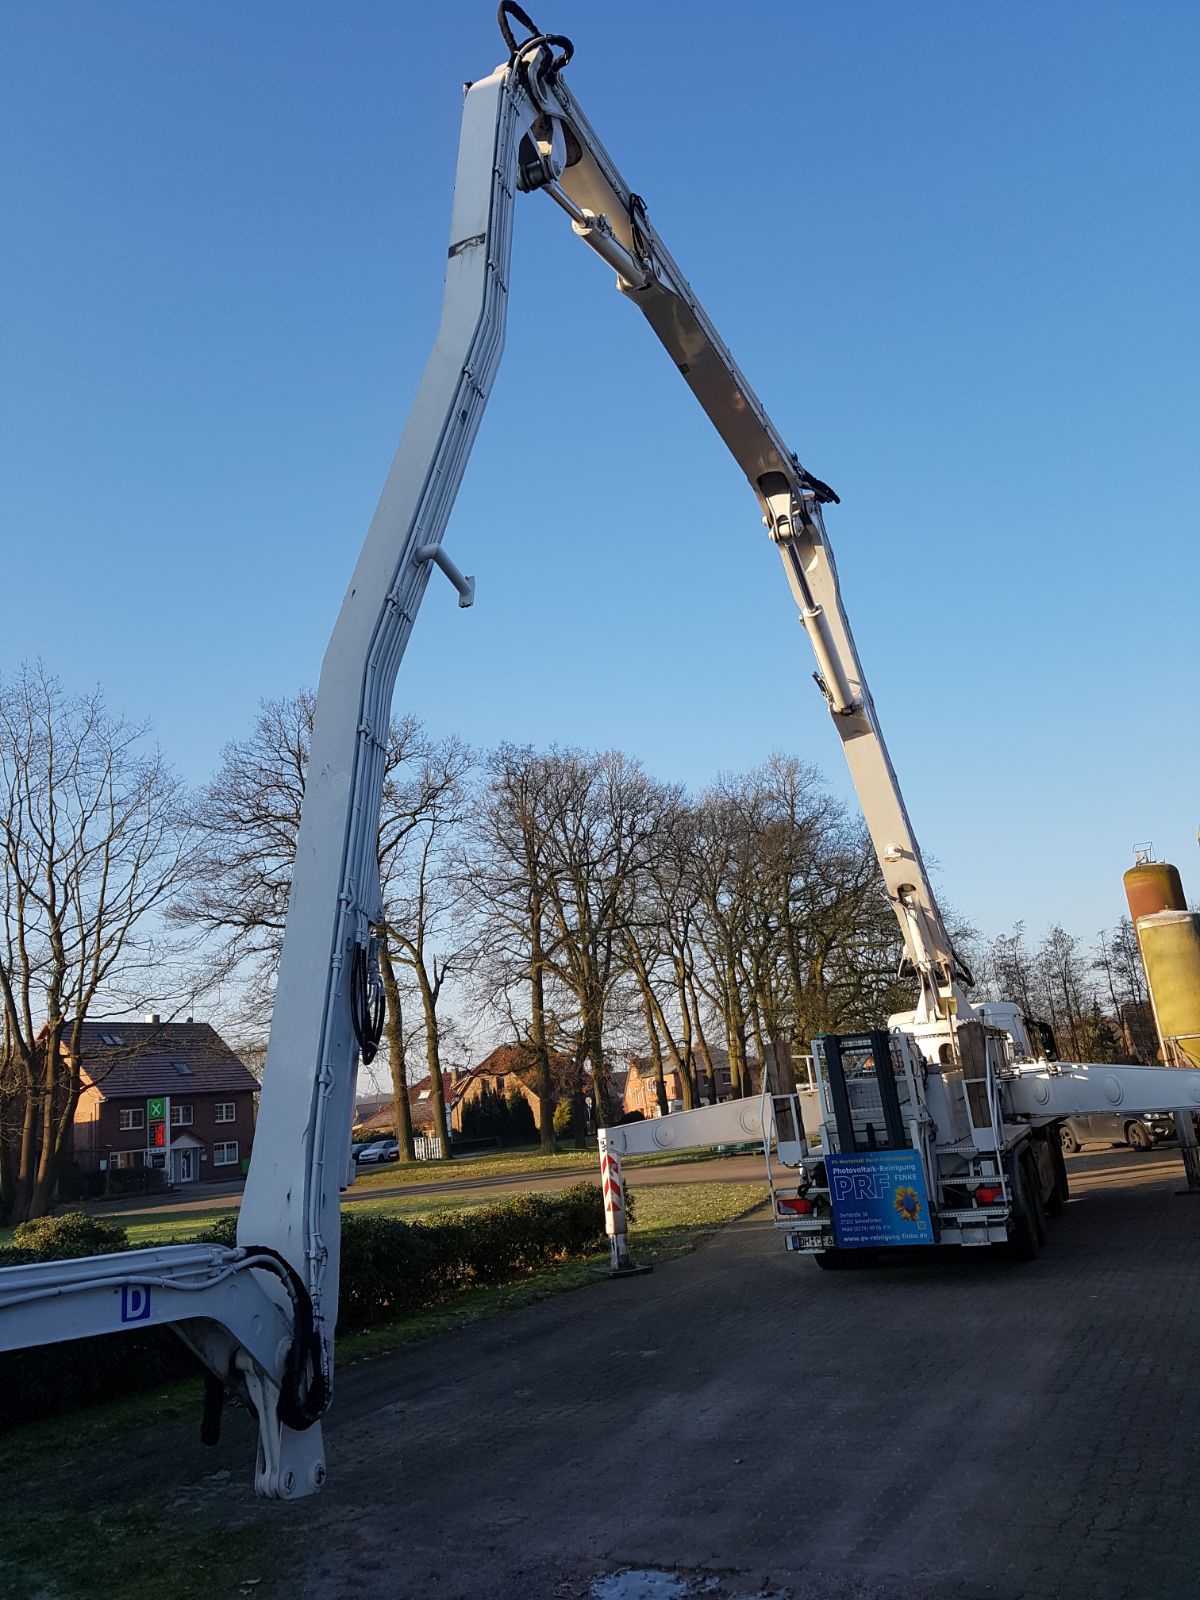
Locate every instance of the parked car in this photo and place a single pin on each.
(1110, 1127)
(377, 1152)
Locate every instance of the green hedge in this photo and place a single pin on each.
(389, 1269)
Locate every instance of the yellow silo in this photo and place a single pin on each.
(1170, 942)
(1153, 886)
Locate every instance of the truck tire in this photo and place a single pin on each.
(1062, 1189)
(1023, 1241)
(1033, 1190)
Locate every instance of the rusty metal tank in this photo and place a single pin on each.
(1170, 942)
(1153, 886)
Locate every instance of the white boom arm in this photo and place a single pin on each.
(262, 1315)
(612, 219)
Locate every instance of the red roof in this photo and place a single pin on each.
(150, 1058)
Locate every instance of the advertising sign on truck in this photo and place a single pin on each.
(878, 1198)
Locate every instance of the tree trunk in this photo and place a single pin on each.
(735, 1034)
(599, 1078)
(578, 1117)
(6, 1174)
(656, 1056)
(759, 1045)
(687, 1069)
(705, 1054)
(26, 1155)
(397, 1058)
(41, 1200)
(433, 1056)
(537, 1031)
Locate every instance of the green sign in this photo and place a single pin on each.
(156, 1109)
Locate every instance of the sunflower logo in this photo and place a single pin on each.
(907, 1203)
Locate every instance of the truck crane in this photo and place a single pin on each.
(959, 1099)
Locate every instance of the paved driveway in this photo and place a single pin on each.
(952, 1430)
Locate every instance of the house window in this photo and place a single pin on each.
(226, 1111)
(181, 1116)
(135, 1117)
(182, 1068)
(119, 1159)
(225, 1153)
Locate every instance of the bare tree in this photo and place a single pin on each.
(94, 843)
(606, 821)
(721, 873)
(1118, 957)
(248, 819)
(505, 870)
(660, 953)
(397, 1042)
(423, 894)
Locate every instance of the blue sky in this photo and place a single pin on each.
(953, 246)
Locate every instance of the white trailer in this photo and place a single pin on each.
(960, 1091)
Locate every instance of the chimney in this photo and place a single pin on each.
(153, 1017)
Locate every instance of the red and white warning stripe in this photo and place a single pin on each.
(614, 1194)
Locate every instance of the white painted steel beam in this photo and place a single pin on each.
(1074, 1089)
(731, 1122)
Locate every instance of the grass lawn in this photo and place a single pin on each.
(664, 1212)
(111, 1551)
(154, 1227)
(500, 1164)
(528, 1161)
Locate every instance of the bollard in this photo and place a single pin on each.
(616, 1221)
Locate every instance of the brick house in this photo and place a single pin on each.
(375, 1118)
(505, 1070)
(641, 1093)
(130, 1070)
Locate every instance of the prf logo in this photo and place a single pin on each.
(135, 1303)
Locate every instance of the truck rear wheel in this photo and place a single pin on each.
(1024, 1239)
(1033, 1189)
(1061, 1192)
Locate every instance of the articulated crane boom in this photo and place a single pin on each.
(611, 218)
(262, 1315)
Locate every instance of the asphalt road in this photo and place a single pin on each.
(955, 1429)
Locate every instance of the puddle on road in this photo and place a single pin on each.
(642, 1586)
(648, 1585)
